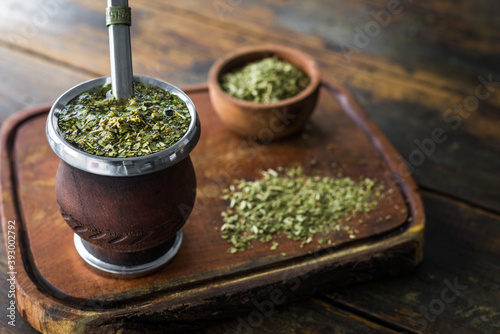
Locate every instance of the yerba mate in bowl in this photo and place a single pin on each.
(265, 81)
(243, 97)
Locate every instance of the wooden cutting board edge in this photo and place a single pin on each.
(236, 293)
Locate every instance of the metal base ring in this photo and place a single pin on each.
(127, 272)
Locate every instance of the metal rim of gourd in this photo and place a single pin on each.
(133, 166)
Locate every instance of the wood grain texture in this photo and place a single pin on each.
(204, 279)
(420, 70)
(424, 62)
(312, 316)
(469, 253)
(455, 290)
(29, 81)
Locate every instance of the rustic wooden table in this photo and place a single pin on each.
(418, 69)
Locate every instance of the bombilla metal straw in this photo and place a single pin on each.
(118, 20)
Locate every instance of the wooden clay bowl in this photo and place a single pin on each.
(126, 213)
(264, 121)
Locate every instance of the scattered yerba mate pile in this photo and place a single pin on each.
(290, 203)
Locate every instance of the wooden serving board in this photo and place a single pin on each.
(56, 292)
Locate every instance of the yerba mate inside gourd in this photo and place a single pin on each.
(97, 123)
(264, 81)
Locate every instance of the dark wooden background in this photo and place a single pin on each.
(416, 71)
